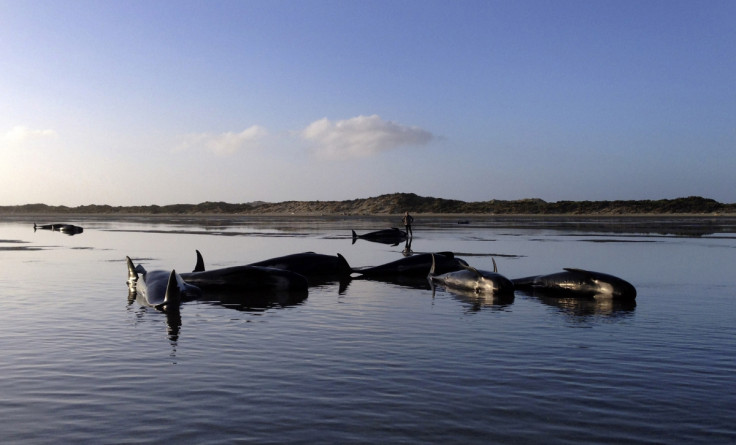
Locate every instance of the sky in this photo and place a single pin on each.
(180, 102)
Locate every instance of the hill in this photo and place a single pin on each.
(399, 202)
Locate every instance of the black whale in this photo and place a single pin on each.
(387, 236)
(578, 283)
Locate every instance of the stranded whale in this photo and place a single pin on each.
(578, 283)
(387, 236)
(472, 280)
(315, 267)
(244, 278)
(69, 229)
(415, 265)
(161, 289)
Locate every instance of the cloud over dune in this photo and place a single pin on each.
(224, 143)
(361, 136)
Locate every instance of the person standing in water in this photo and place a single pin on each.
(408, 220)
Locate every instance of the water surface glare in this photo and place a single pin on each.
(374, 362)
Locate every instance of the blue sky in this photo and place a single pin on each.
(139, 102)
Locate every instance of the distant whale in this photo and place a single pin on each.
(161, 289)
(472, 280)
(578, 283)
(68, 229)
(248, 277)
(386, 236)
(415, 265)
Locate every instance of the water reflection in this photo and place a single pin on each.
(173, 318)
(251, 301)
(16, 247)
(225, 232)
(477, 302)
(255, 301)
(584, 307)
(173, 326)
(407, 248)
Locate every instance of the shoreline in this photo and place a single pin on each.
(373, 215)
(15, 215)
(679, 225)
(398, 203)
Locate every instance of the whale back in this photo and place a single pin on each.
(416, 265)
(579, 282)
(471, 279)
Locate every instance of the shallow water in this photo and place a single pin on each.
(374, 362)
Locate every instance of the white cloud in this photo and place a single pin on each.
(224, 143)
(19, 135)
(361, 136)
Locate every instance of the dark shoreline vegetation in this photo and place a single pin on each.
(398, 203)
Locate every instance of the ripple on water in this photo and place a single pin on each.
(376, 362)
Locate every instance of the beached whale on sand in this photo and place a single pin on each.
(415, 265)
(472, 280)
(578, 283)
(161, 289)
(393, 235)
(244, 278)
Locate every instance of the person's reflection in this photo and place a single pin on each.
(407, 248)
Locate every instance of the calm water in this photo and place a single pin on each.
(376, 362)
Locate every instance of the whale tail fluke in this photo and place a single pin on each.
(199, 267)
(355, 236)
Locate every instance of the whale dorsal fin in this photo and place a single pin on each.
(343, 266)
(132, 273)
(495, 269)
(172, 299)
(200, 263)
